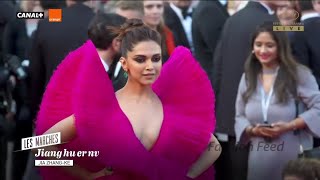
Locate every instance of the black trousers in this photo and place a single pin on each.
(316, 142)
(233, 161)
(3, 157)
(20, 158)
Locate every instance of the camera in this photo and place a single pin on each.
(14, 64)
(11, 71)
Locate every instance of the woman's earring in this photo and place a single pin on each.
(125, 74)
(252, 52)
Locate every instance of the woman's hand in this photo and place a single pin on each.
(283, 127)
(101, 173)
(261, 132)
(275, 131)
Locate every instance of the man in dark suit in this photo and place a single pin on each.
(305, 44)
(16, 41)
(178, 17)
(53, 41)
(230, 55)
(108, 46)
(208, 20)
(6, 14)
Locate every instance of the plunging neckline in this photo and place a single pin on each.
(132, 129)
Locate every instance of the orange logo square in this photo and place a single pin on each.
(55, 15)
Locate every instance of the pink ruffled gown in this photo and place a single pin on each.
(80, 86)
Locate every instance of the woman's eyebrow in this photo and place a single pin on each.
(139, 55)
(156, 55)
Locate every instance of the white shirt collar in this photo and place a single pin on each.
(105, 65)
(223, 2)
(178, 11)
(270, 11)
(309, 15)
(117, 70)
(186, 23)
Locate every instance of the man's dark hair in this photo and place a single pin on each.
(45, 4)
(80, 0)
(305, 5)
(99, 31)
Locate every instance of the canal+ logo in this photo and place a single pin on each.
(30, 15)
(54, 15)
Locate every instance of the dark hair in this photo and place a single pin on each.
(162, 28)
(80, 1)
(45, 4)
(306, 5)
(286, 81)
(306, 169)
(99, 31)
(134, 31)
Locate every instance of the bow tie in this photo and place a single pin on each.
(185, 14)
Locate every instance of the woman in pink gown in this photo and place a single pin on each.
(161, 135)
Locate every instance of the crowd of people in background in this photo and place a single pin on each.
(258, 74)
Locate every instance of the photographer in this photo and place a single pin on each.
(6, 13)
(16, 42)
(15, 119)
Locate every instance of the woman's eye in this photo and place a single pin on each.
(156, 59)
(270, 45)
(139, 60)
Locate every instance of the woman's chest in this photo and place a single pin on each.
(144, 122)
(256, 111)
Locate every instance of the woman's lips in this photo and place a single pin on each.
(155, 18)
(264, 56)
(148, 75)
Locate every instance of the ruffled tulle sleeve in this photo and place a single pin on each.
(186, 91)
(57, 100)
(58, 104)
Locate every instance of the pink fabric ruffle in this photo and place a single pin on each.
(80, 86)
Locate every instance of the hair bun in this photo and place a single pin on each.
(134, 31)
(128, 26)
(130, 23)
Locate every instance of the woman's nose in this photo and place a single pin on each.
(263, 49)
(149, 65)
